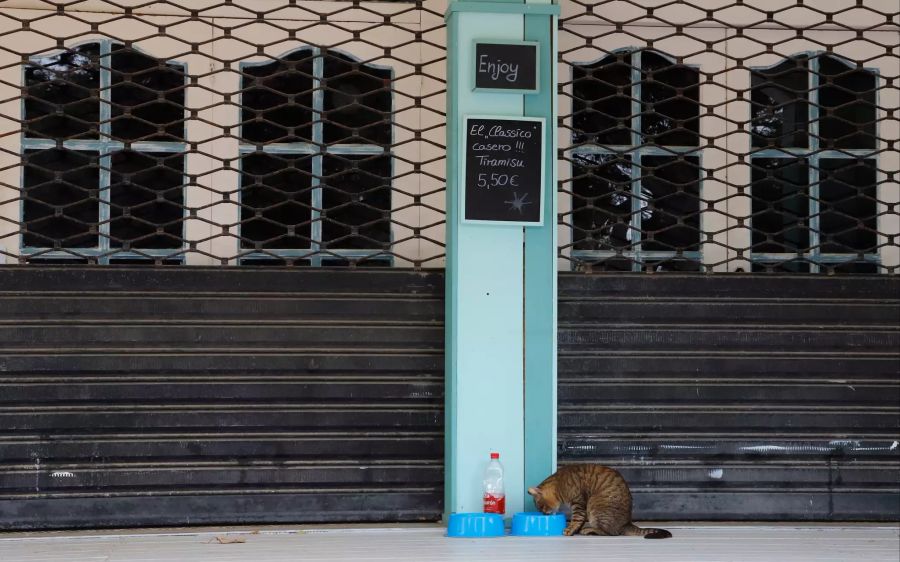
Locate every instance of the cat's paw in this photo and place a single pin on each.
(589, 531)
(569, 531)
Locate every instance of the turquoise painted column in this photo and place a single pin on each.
(490, 271)
(541, 271)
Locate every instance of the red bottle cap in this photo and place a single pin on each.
(495, 455)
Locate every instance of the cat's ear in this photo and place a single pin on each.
(534, 491)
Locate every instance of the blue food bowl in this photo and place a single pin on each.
(475, 525)
(535, 524)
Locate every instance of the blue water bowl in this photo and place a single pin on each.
(473, 525)
(534, 524)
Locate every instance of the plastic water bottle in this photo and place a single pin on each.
(494, 496)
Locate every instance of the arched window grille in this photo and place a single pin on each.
(316, 165)
(103, 156)
(814, 166)
(636, 163)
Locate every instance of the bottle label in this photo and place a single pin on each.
(494, 504)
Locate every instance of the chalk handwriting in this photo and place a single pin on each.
(509, 71)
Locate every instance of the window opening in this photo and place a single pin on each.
(636, 163)
(316, 164)
(814, 166)
(103, 156)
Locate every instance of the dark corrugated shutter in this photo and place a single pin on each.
(736, 397)
(199, 396)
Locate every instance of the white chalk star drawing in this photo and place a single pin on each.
(518, 203)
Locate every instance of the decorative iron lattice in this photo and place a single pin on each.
(730, 135)
(274, 132)
(695, 135)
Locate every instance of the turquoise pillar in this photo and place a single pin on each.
(541, 272)
(501, 280)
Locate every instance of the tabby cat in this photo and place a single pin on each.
(598, 497)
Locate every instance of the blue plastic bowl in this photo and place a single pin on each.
(475, 525)
(535, 524)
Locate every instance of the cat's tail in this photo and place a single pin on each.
(632, 530)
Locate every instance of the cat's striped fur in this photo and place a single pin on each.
(598, 497)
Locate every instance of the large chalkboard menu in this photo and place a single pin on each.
(503, 170)
(509, 67)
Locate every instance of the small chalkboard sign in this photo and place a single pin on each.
(503, 170)
(506, 67)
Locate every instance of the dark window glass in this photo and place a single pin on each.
(62, 100)
(276, 201)
(146, 200)
(38, 260)
(602, 199)
(852, 267)
(277, 100)
(368, 262)
(61, 207)
(273, 262)
(669, 204)
(620, 264)
(847, 105)
(780, 219)
(614, 263)
(847, 206)
(144, 262)
(670, 214)
(356, 196)
(791, 266)
(357, 105)
(779, 104)
(670, 98)
(671, 264)
(601, 104)
(147, 97)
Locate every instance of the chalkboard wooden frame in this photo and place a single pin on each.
(462, 171)
(537, 67)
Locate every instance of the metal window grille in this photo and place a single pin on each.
(102, 175)
(729, 136)
(232, 132)
(635, 176)
(699, 136)
(316, 158)
(814, 166)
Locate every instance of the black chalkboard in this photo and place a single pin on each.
(504, 170)
(506, 66)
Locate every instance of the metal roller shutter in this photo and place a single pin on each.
(736, 397)
(200, 396)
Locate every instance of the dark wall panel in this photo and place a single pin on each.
(736, 397)
(138, 396)
(201, 396)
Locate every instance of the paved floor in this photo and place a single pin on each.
(694, 543)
